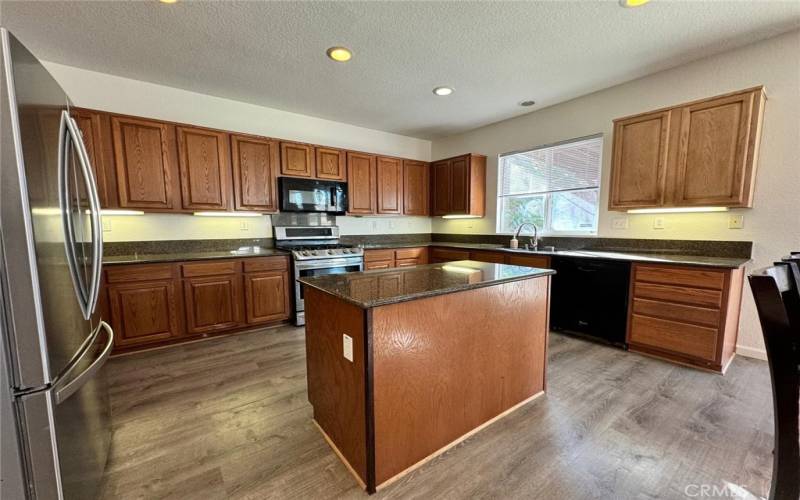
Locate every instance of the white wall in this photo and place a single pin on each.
(772, 224)
(105, 92)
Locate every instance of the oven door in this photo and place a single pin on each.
(305, 269)
(309, 195)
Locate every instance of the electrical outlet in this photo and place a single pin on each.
(244, 225)
(374, 225)
(347, 347)
(658, 223)
(736, 222)
(391, 224)
(106, 225)
(620, 223)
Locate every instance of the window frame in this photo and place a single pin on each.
(548, 230)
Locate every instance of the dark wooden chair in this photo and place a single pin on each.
(777, 295)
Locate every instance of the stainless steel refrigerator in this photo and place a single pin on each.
(55, 412)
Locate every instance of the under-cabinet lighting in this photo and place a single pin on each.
(676, 210)
(120, 212)
(461, 216)
(228, 214)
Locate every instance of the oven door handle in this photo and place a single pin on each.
(328, 264)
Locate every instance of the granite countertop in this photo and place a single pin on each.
(630, 256)
(389, 286)
(188, 256)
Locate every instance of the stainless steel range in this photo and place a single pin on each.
(316, 251)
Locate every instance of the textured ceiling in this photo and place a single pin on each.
(494, 54)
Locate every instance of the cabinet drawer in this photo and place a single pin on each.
(378, 264)
(693, 296)
(373, 255)
(259, 264)
(408, 253)
(211, 268)
(699, 277)
(139, 272)
(528, 260)
(495, 257)
(677, 312)
(407, 262)
(691, 340)
(444, 255)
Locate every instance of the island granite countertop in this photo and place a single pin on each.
(368, 289)
(188, 256)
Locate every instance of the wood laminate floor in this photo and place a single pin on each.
(229, 418)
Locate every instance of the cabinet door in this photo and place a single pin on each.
(255, 163)
(390, 185)
(459, 185)
(266, 297)
(361, 185)
(144, 154)
(96, 136)
(416, 186)
(441, 187)
(213, 303)
(330, 164)
(204, 162)
(297, 159)
(143, 312)
(713, 166)
(639, 165)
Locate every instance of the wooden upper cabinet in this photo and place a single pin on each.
(330, 164)
(204, 161)
(389, 178)
(144, 156)
(702, 153)
(255, 163)
(458, 186)
(416, 185)
(718, 142)
(96, 130)
(361, 184)
(639, 165)
(297, 159)
(440, 187)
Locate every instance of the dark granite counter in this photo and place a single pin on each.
(389, 286)
(631, 256)
(137, 258)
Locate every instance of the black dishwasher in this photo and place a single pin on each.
(590, 297)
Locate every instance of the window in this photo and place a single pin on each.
(557, 187)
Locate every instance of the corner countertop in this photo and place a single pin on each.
(370, 288)
(189, 256)
(632, 256)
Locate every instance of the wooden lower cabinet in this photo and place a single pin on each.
(438, 255)
(395, 257)
(158, 304)
(686, 314)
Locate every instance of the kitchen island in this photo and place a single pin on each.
(404, 363)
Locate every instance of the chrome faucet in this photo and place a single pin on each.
(534, 238)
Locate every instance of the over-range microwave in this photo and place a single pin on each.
(310, 195)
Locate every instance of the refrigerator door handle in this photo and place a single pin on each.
(62, 393)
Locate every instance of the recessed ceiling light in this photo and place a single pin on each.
(527, 103)
(339, 54)
(632, 3)
(167, 1)
(443, 91)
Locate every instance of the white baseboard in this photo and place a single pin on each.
(750, 352)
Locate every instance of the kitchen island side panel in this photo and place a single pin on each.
(336, 386)
(445, 365)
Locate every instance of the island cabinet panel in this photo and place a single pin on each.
(297, 159)
(331, 164)
(389, 180)
(416, 188)
(255, 166)
(213, 303)
(433, 352)
(145, 163)
(361, 184)
(96, 130)
(266, 297)
(340, 408)
(702, 153)
(685, 313)
(204, 161)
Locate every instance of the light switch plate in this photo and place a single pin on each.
(347, 347)
(106, 225)
(244, 225)
(736, 222)
(658, 223)
(620, 223)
